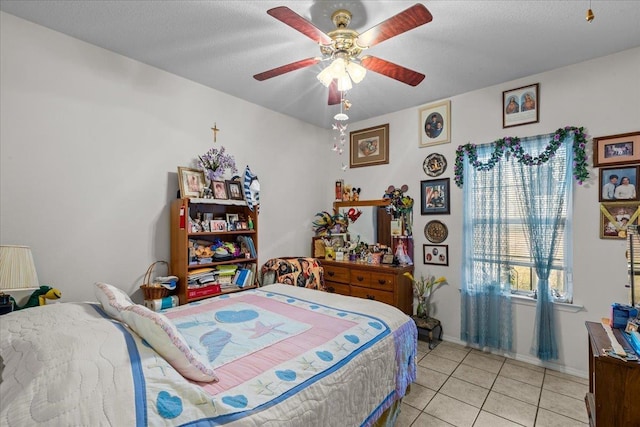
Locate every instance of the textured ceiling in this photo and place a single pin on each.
(222, 44)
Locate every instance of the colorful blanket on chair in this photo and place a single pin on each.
(302, 272)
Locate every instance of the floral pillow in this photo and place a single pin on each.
(166, 340)
(112, 299)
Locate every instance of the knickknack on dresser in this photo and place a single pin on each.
(371, 277)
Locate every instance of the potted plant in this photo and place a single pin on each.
(423, 289)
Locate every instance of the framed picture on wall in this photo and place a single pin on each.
(622, 149)
(615, 217)
(435, 254)
(521, 106)
(619, 183)
(435, 124)
(369, 147)
(191, 182)
(434, 196)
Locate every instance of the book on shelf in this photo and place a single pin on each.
(203, 291)
(243, 277)
(225, 279)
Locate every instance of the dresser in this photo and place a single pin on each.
(614, 385)
(379, 282)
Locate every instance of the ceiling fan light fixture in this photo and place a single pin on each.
(325, 76)
(356, 72)
(344, 83)
(344, 72)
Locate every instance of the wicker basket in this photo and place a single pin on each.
(152, 290)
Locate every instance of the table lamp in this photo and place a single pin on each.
(17, 270)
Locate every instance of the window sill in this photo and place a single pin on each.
(561, 306)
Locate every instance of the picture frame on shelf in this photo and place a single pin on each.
(434, 196)
(621, 149)
(317, 246)
(234, 189)
(435, 254)
(219, 190)
(338, 240)
(387, 259)
(369, 147)
(191, 182)
(612, 185)
(616, 216)
(521, 106)
(231, 221)
(218, 225)
(435, 124)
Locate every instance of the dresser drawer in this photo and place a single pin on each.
(360, 278)
(373, 279)
(383, 281)
(337, 288)
(374, 294)
(336, 274)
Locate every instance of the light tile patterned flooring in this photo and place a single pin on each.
(463, 387)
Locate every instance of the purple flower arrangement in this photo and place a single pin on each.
(214, 163)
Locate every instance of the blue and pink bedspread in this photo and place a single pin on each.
(284, 356)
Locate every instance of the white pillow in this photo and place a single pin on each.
(165, 339)
(112, 299)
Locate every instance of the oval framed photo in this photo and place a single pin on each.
(434, 164)
(436, 232)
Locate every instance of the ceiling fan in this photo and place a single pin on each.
(343, 46)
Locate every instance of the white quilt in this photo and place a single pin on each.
(68, 364)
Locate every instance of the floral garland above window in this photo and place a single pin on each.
(511, 146)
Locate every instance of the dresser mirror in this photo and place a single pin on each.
(374, 223)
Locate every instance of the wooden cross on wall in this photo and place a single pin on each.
(215, 132)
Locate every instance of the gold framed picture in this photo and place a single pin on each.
(369, 147)
(191, 182)
(435, 124)
(622, 149)
(615, 217)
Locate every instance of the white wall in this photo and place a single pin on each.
(90, 143)
(601, 95)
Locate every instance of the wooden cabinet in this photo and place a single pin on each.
(181, 211)
(378, 282)
(614, 385)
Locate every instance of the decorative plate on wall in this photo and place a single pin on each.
(434, 165)
(436, 232)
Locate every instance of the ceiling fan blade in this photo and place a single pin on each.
(286, 68)
(389, 69)
(411, 18)
(334, 95)
(297, 22)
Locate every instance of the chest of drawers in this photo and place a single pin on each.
(378, 282)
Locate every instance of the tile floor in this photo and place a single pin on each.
(459, 386)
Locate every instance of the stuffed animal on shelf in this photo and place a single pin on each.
(38, 297)
(346, 193)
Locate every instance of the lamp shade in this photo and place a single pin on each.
(17, 269)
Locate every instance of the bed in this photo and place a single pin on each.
(276, 355)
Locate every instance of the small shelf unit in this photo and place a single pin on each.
(184, 209)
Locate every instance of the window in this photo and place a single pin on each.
(497, 212)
